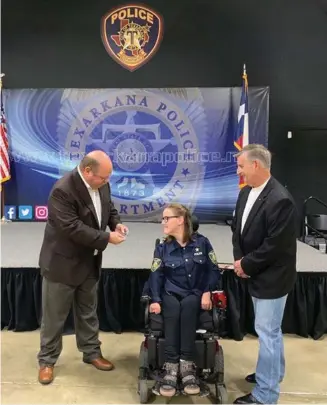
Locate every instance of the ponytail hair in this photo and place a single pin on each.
(181, 211)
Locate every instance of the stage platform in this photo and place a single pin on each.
(21, 242)
(126, 268)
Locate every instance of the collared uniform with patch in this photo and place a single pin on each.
(192, 269)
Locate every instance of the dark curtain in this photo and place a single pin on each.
(120, 310)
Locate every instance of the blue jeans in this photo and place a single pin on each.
(271, 362)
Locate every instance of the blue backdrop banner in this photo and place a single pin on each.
(166, 145)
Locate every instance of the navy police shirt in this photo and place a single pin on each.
(192, 269)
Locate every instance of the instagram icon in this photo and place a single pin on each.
(41, 212)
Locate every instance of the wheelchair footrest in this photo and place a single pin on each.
(204, 390)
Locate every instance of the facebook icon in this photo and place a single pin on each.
(10, 212)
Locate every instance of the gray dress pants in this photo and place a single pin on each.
(57, 300)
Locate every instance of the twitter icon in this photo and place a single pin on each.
(25, 212)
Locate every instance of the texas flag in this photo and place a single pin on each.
(242, 133)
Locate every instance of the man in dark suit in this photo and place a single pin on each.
(264, 245)
(80, 209)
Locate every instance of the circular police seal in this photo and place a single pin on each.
(153, 138)
(129, 152)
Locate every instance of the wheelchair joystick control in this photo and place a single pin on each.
(219, 299)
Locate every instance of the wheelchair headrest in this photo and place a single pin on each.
(195, 223)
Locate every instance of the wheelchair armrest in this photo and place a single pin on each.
(145, 299)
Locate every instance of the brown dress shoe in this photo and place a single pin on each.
(46, 374)
(101, 364)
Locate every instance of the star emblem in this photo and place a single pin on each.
(185, 172)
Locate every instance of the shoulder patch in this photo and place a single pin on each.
(156, 263)
(213, 258)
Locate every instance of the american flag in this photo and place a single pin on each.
(242, 134)
(4, 145)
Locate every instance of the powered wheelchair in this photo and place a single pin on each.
(209, 356)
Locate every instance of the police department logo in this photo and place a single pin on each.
(213, 258)
(156, 263)
(151, 138)
(132, 35)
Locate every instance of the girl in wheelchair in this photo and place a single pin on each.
(184, 271)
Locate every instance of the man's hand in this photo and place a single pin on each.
(116, 238)
(206, 302)
(122, 229)
(155, 308)
(238, 269)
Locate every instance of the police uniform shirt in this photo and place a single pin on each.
(192, 269)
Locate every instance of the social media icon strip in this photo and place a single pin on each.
(41, 212)
(10, 212)
(25, 212)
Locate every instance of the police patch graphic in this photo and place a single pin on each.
(151, 138)
(155, 264)
(132, 35)
(213, 258)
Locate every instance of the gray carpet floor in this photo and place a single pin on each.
(21, 242)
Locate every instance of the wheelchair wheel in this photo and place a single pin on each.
(219, 366)
(143, 358)
(221, 394)
(143, 391)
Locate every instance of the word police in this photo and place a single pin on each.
(133, 13)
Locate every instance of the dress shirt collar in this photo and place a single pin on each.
(84, 181)
(260, 188)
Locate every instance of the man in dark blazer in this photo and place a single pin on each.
(264, 244)
(80, 210)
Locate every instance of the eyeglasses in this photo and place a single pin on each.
(166, 219)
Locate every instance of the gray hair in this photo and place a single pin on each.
(257, 152)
